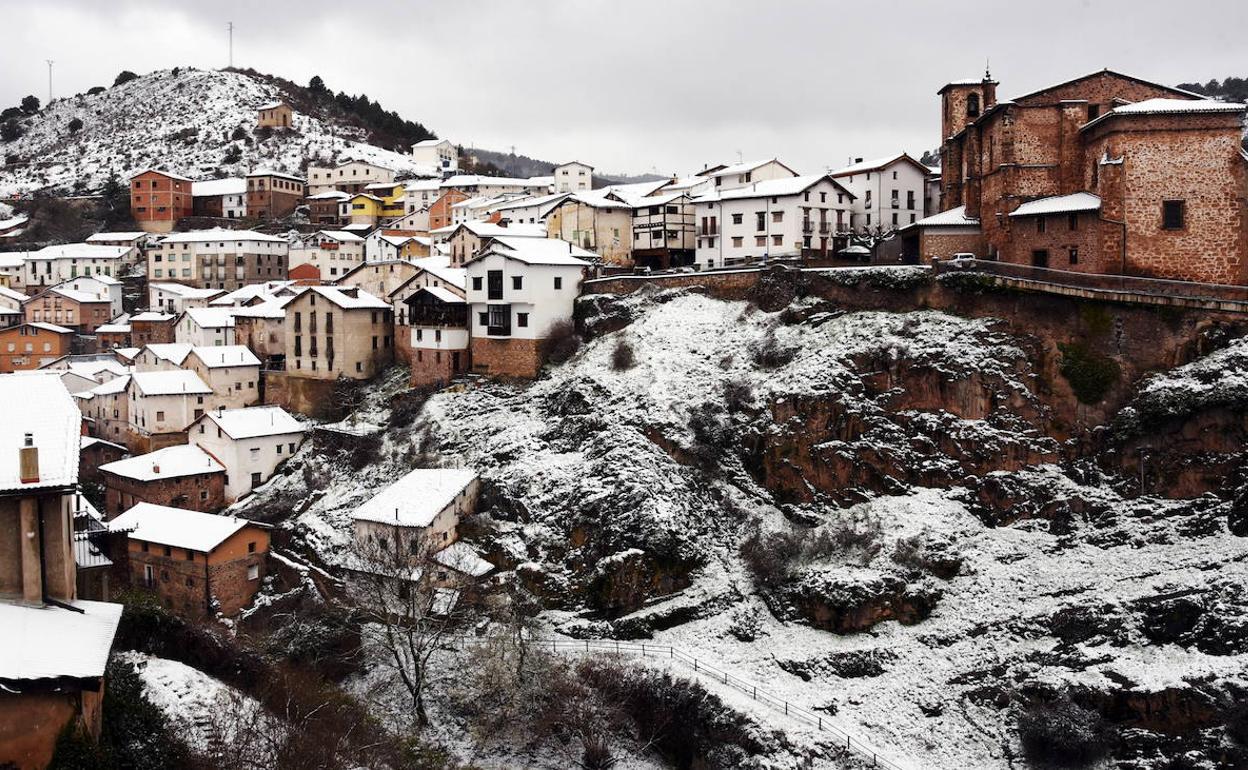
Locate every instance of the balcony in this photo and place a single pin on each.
(498, 322)
(808, 226)
(825, 228)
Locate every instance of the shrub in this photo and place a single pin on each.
(860, 532)
(562, 342)
(1237, 724)
(93, 90)
(738, 395)
(232, 154)
(1090, 374)
(712, 436)
(11, 130)
(622, 356)
(124, 77)
(769, 353)
(745, 623)
(238, 133)
(770, 555)
(75, 125)
(1062, 734)
(30, 105)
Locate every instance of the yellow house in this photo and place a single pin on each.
(393, 198)
(361, 208)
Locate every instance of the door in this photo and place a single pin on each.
(1040, 258)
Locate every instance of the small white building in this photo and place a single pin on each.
(745, 174)
(254, 294)
(782, 218)
(349, 176)
(161, 357)
(530, 210)
(53, 264)
(205, 326)
(331, 252)
(176, 298)
(100, 286)
(251, 443)
(888, 192)
(419, 195)
(221, 197)
(232, 371)
(165, 402)
(573, 176)
(438, 154)
(427, 501)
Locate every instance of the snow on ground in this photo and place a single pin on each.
(181, 122)
(194, 701)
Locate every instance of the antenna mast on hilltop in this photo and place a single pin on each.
(49, 61)
(230, 27)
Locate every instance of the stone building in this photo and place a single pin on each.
(272, 194)
(54, 646)
(1105, 173)
(251, 444)
(182, 476)
(274, 115)
(197, 564)
(427, 502)
(158, 199)
(31, 345)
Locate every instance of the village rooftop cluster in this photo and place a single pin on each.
(181, 364)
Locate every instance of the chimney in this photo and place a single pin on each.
(857, 160)
(156, 468)
(28, 460)
(350, 291)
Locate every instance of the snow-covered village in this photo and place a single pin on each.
(653, 386)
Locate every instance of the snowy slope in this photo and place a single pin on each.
(179, 122)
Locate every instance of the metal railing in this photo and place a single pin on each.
(700, 666)
(1129, 284)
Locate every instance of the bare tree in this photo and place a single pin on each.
(411, 603)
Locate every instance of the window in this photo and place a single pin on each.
(737, 241)
(777, 216)
(558, 282)
(760, 240)
(1040, 258)
(1094, 111)
(522, 319)
(190, 555)
(253, 572)
(761, 220)
(255, 479)
(777, 240)
(1172, 215)
(736, 218)
(972, 106)
(1040, 224)
(517, 281)
(160, 416)
(149, 576)
(495, 290)
(909, 199)
(1074, 255)
(292, 447)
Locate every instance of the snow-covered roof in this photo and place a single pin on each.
(219, 356)
(112, 328)
(742, 168)
(211, 317)
(382, 185)
(431, 142)
(329, 194)
(445, 295)
(440, 267)
(534, 200)
(339, 296)
(90, 441)
(272, 105)
(118, 236)
(874, 164)
(186, 292)
(12, 222)
(169, 174)
(52, 642)
(470, 180)
(462, 557)
(272, 308)
(220, 234)
(340, 235)
(1164, 106)
(169, 383)
(168, 463)
(417, 498)
(770, 188)
(107, 280)
(494, 230)
(80, 251)
(265, 291)
(177, 527)
(272, 172)
(539, 251)
(128, 353)
(76, 295)
(1059, 204)
(151, 315)
(112, 387)
(49, 327)
(231, 186)
(39, 405)
(174, 352)
(16, 296)
(955, 217)
(254, 421)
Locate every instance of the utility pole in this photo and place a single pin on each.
(49, 61)
(230, 26)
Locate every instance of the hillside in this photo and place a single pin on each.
(863, 510)
(185, 121)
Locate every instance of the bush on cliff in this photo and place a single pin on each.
(1090, 374)
(1062, 734)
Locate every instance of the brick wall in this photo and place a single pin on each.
(1057, 239)
(431, 367)
(937, 243)
(305, 395)
(507, 357)
(731, 284)
(196, 492)
(188, 582)
(91, 458)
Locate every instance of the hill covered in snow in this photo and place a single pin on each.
(199, 123)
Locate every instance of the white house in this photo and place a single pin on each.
(205, 326)
(348, 176)
(517, 290)
(529, 210)
(53, 264)
(489, 186)
(218, 258)
(744, 174)
(331, 252)
(427, 501)
(419, 194)
(438, 154)
(573, 176)
(101, 286)
(176, 297)
(888, 192)
(161, 357)
(776, 218)
(251, 443)
(165, 402)
(254, 294)
(232, 371)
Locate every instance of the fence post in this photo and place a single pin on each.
(786, 708)
(617, 646)
(586, 645)
(725, 677)
(820, 721)
(873, 760)
(755, 689)
(643, 649)
(695, 664)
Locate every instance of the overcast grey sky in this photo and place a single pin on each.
(638, 85)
